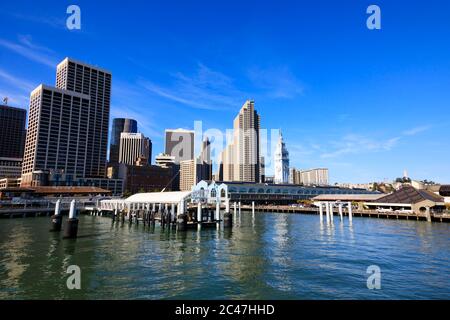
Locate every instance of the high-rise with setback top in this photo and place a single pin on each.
(95, 82)
(67, 133)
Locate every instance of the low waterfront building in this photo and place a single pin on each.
(444, 191)
(409, 198)
(264, 193)
(51, 192)
(55, 178)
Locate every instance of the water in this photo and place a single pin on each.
(274, 256)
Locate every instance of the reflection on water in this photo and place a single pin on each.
(265, 256)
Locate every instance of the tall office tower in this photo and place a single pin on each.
(133, 147)
(281, 161)
(241, 158)
(12, 131)
(94, 82)
(119, 125)
(180, 144)
(57, 133)
(246, 142)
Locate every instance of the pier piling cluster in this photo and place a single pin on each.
(71, 227)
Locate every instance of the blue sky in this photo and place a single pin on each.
(367, 104)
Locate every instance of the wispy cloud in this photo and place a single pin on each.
(205, 89)
(416, 130)
(276, 82)
(54, 22)
(354, 144)
(15, 98)
(23, 85)
(27, 49)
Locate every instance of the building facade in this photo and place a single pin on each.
(119, 125)
(133, 147)
(75, 76)
(145, 178)
(281, 161)
(311, 177)
(179, 143)
(12, 132)
(57, 135)
(267, 193)
(187, 175)
(10, 167)
(193, 171)
(167, 161)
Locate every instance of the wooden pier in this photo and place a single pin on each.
(436, 217)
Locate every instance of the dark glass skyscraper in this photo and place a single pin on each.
(119, 125)
(12, 131)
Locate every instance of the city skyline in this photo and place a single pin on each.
(354, 110)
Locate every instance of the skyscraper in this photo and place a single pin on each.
(281, 161)
(94, 82)
(120, 125)
(57, 132)
(12, 131)
(241, 158)
(180, 144)
(133, 147)
(68, 129)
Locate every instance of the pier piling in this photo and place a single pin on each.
(71, 229)
(57, 218)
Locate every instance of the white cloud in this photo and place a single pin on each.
(205, 89)
(416, 130)
(277, 82)
(354, 144)
(22, 85)
(30, 51)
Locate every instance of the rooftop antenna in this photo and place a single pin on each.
(5, 100)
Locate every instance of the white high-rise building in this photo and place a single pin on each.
(132, 147)
(240, 160)
(281, 162)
